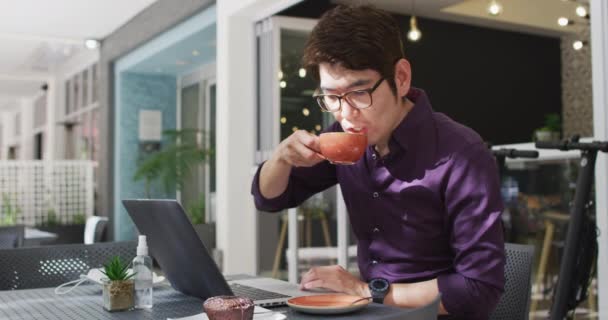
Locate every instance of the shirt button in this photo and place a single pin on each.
(375, 195)
(374, 156)
(374, 262)
(376, 230)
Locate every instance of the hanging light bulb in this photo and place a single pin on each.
(494, 8)
(414, 34)
(302, 73)
(578, 45)
(581, 11)
(563, 21)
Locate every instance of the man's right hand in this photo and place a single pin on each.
(300, 149)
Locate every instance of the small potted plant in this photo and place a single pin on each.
(551, 129)
(118, 287)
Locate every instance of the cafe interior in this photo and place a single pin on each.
(103, 117)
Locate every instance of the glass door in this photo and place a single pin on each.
(197, 125)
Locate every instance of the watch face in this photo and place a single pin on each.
(379, 284)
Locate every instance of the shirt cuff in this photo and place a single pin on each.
(275, 204)
(465, 298)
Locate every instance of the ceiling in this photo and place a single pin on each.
(529, 16)
(38, 36)
(183, 56)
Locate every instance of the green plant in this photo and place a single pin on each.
(51, 218)
(79, 218)
(552, 123)
(196, 210)
(116, 270)
(9, 211)
(174, 161)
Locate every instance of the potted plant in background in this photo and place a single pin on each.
(68, 229)
(551, 129)
(118, 287)
(171, 165)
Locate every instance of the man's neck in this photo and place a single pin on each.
(382, 146)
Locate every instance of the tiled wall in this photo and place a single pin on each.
(140, 91)
(577, 98)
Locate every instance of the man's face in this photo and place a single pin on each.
(377, 121)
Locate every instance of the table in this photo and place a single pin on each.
(35, 237)
(85, 302)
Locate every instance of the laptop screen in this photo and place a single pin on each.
(175, 245)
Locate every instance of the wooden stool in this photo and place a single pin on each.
(308, 217)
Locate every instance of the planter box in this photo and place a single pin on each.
(66, 233)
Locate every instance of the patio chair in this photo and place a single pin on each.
(11, 236)
(515, 301)
(50, 266)
(94, 229)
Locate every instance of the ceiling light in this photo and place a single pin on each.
(563, 21)
(302, 72)
(305, 112)
(91, 44)
(494, 8)
(414, 34)
(578, 45)
(283, 84)
(581, 11)
(280, 74)
(195, 53)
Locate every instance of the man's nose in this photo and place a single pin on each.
(348, 111)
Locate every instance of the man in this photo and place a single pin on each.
(424, 201)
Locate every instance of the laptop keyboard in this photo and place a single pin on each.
(254, 293)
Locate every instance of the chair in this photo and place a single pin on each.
(11, 236)
(94, 229)
(515, 301)
(50, 266)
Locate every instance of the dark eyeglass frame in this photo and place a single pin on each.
(319, 97)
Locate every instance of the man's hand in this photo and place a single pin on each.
(334, 278)
(300, 149)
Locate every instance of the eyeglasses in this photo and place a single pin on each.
(360, 99)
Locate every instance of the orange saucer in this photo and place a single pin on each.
(327, 303)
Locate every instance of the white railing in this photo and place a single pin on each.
(46, 192)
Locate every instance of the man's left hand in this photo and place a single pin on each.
(334, 278)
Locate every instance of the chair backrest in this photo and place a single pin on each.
(515, 301)
(50, 266)
(94, 228)
(11, 236)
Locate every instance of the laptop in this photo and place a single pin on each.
(186, 262)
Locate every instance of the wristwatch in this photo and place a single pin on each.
(378, 288)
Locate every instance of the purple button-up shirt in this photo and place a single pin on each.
(429, 209)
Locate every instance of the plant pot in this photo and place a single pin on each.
(541, 135)
(66, 234)
(118, 295)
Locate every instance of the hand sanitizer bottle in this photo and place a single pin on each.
(142, 266)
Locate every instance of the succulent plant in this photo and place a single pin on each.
(116, 270)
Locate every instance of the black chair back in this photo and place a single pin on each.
(50, 266)
(515, 301)
(11, 236)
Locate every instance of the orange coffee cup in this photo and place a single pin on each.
(342, 147)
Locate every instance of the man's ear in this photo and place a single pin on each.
(403, 77)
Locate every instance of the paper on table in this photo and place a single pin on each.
(259, 314)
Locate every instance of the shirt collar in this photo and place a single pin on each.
(416, 123)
